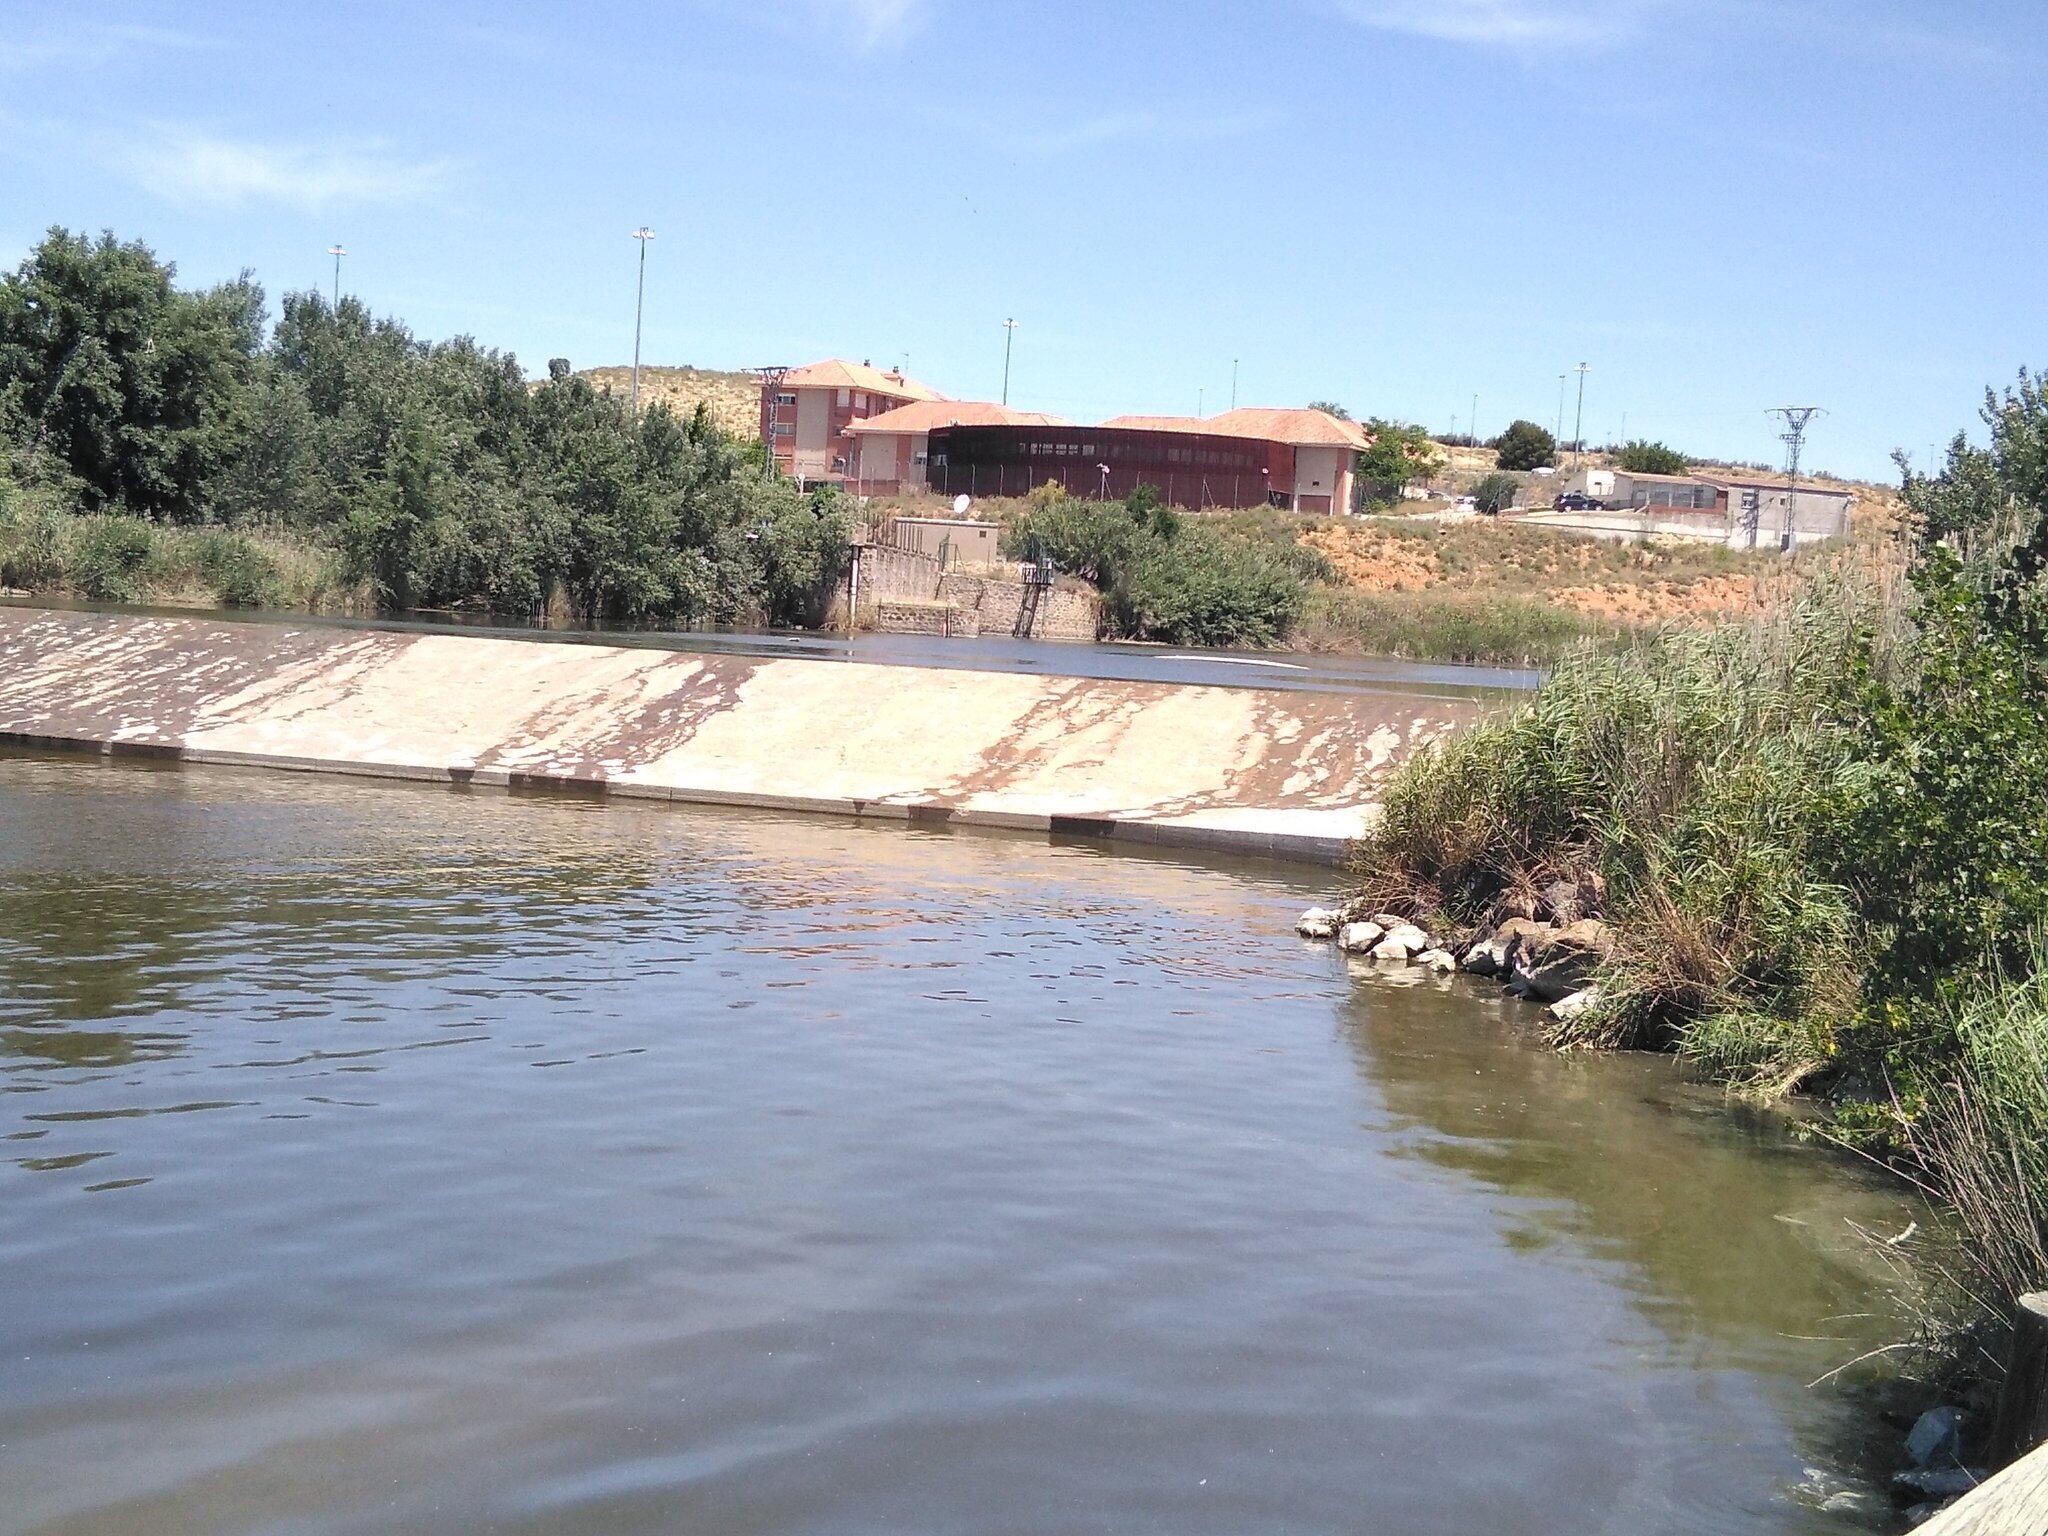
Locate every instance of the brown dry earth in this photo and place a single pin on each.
(734, 399)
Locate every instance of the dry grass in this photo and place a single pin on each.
(734, 399)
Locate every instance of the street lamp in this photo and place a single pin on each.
(1009, 335)
(643, 234)
(1579, 421)
(337, 252)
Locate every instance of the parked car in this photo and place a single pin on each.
(1579, 501)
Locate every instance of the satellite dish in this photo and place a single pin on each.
(960, 505)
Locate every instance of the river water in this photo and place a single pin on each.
(382, 1158)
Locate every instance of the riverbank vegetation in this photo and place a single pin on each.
(1821, 837)
(426, 474)
(1164, 576)
(113, 557)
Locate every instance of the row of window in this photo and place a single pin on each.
(1193, 458)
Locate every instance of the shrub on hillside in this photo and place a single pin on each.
(1641, 458)
(1167, 578)
(1496, 493)
(1525, 446)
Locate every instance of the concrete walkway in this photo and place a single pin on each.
(1293, 775)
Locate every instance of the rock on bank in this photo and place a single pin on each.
(1290, 774)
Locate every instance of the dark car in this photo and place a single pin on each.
(1579, 501)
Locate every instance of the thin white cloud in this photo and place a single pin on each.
(189, 166)
(1508, 24)
(878, 23)
(81, 43)
(1139, 125)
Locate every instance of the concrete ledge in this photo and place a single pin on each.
(1233, 770)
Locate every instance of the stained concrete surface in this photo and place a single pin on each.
(1293, 774)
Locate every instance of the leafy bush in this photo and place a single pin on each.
(1525, 446)
(1496, 492)
(110, 557)
(1643, 458)
(1398, 454)
(1166, 578)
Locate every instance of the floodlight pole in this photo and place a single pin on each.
(1009, 335)
(643, 234)
(337, 252)
(1579, 420)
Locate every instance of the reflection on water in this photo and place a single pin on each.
(386, 1158)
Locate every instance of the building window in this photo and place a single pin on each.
(785, 399)
(844, 396)
(860, 402)
(785, 429)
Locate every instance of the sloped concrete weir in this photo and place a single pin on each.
(1286, 774)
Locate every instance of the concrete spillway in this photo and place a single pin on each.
(1294, 775)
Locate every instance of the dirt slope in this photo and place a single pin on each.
(734, 399)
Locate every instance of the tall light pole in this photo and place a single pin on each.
(1472, 426)
(1560, 405)
(1009, 335)
(337, 252)
(643, 234)
(1233, 383)
(1579, 421)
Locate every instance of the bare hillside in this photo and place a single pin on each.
(734, 399)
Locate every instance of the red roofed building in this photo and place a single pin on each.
(890, 451)
(805, 412)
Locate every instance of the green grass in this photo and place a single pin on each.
(1695, 774)
(108, 557)
(1439, 625)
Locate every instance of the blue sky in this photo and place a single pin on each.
(1721, 205)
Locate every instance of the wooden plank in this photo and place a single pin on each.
(2013, 1503)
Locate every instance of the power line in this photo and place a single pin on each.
(1795, 418)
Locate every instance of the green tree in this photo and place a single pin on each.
(1946, 839)
(115, 380)
(1525, 446)
(1330, 408)
(1398, 454)
(1644, 458)
(1496, 492)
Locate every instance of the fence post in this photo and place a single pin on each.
(2021, 1420)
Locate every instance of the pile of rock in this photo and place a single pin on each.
(1936, 1476)
(1546, 950)
(1382, 936)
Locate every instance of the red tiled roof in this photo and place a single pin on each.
(1303, 428)
(1300, 428)
(930, 415)
(837, 373)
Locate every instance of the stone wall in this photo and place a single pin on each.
(909, 616)
(1059, 613)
